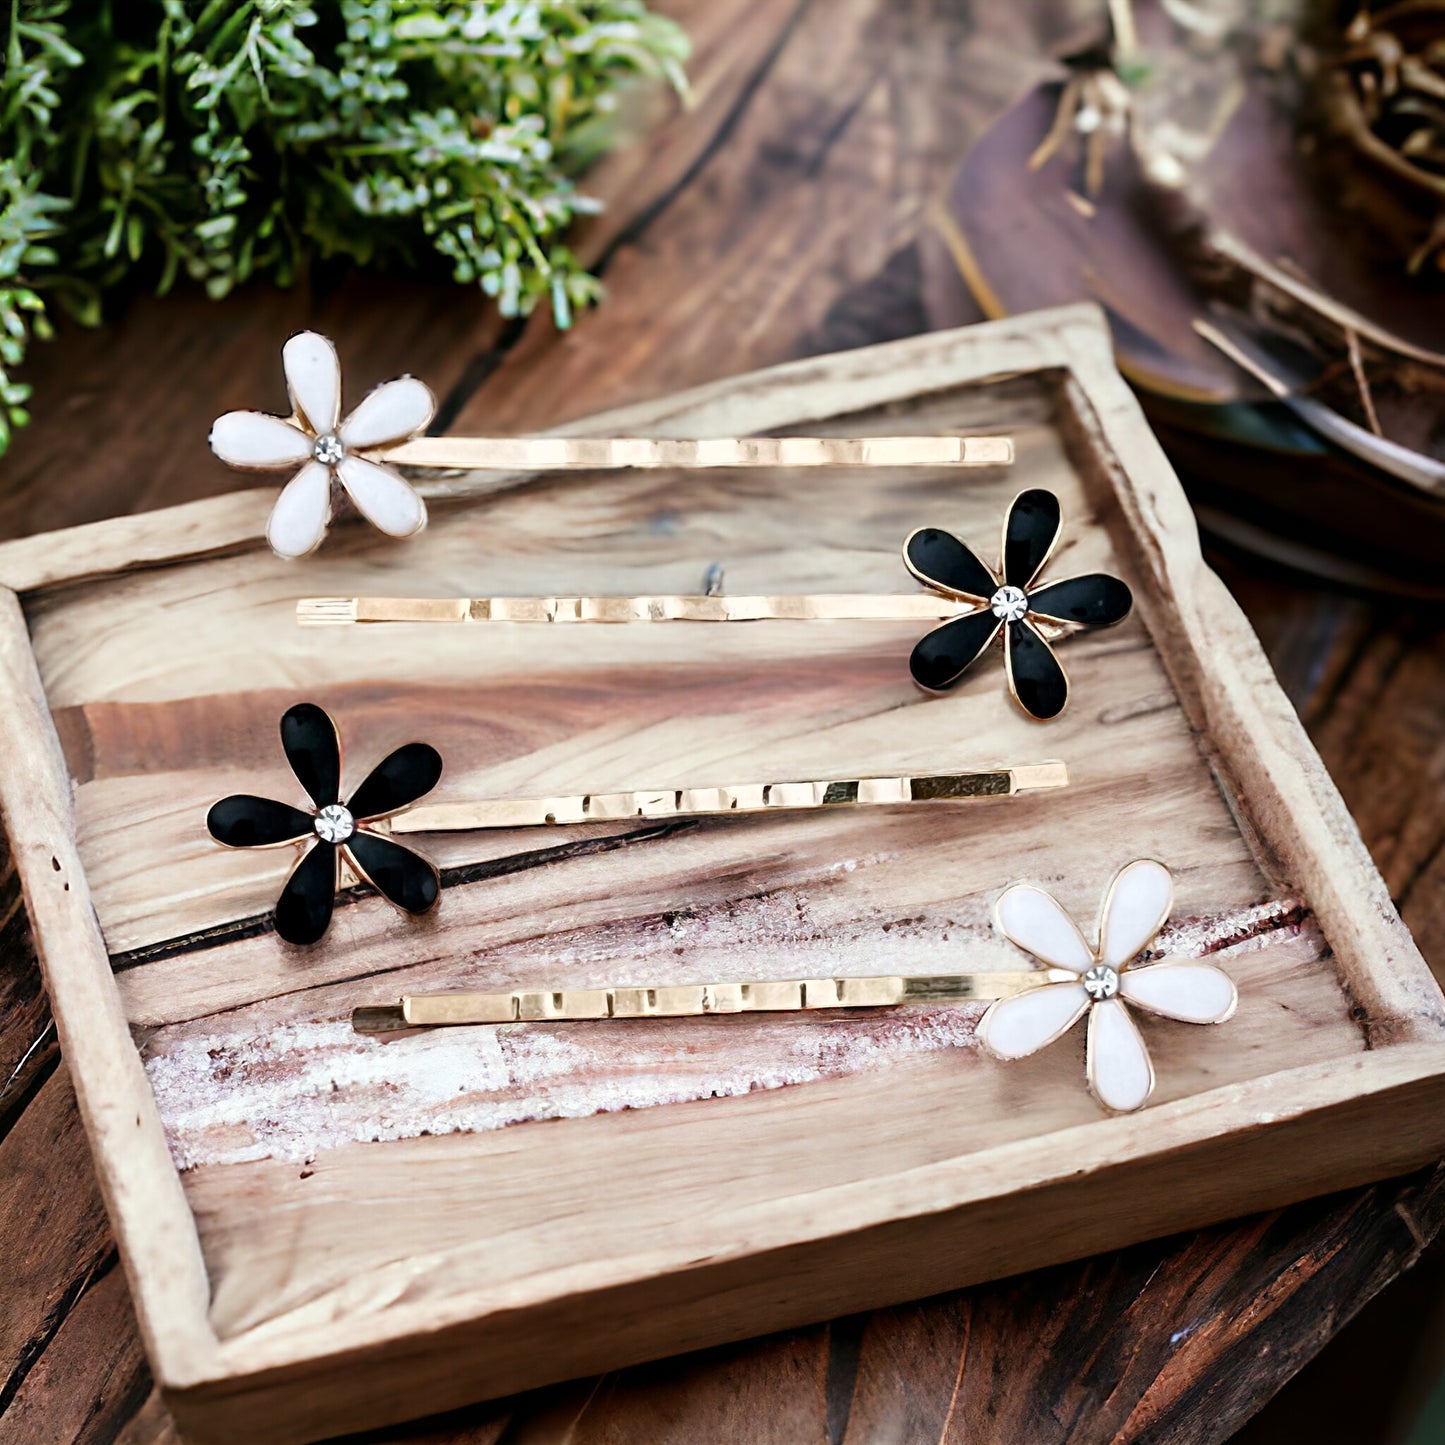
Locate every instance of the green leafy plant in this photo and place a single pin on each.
(146, 140)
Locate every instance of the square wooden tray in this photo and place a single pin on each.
(325, 1231)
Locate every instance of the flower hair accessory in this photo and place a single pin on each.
(364, 828)
(1102, 981)
(1012, 600)
(357, 456)
(330, 453)
(1029, 1008)
(972, 602)
(335, 829)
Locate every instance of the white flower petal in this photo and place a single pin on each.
(1014, 1027)
(382, 497)
(394, 411)
(1120, 1073)
(1135, 907)
(313, 380)
(1037, 922)
(299, 519)
(255, 439)
(1195, 993)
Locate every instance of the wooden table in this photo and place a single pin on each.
(779, 215)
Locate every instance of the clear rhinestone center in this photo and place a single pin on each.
(328, 450)
(334, 824)
(1101, 982)
(1009, 604)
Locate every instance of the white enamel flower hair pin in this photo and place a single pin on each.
(350, 457)
(329, 452)
(1101, 981)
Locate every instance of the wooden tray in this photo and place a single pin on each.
(325, 1231)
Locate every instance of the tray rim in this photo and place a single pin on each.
(1291, 801)
(1403, 1077)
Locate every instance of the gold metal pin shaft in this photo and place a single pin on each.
(434, 1010)
(727, 799)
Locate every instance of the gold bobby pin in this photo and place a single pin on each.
(354, 832)
(972, 602)
(330, 454)
(543, 454)
(728, 799)
(433, 1010)
(1104, 977)
(675, 607)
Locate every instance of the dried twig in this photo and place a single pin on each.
(1357, 367)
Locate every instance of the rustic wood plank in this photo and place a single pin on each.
(151, 1424)
(92, 1376)
(28, 1051)
(846, 135)
(1367, 678)
(53, 1220)
(1384, 728)
(110, 1084)
(715, 1397)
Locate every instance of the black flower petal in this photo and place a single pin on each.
(314, 751)
(245, 821)
(939, 560)
(1029, 535)
(1096, 600)
(1034, 673)
(398, 874)
(303, 910)
(398, 779)
(942, 656)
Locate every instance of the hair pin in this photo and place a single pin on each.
(1028, 1008)
(730, 798)
(688, 1000)
(361, 831)
(356, 456)
(974, 604)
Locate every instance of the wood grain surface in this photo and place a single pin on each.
(775, 218)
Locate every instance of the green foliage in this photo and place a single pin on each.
(144, 140)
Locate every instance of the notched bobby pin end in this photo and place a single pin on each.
(380, 1019)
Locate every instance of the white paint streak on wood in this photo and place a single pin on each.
(246, 1086)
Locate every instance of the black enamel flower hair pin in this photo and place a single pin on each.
(1011, 599)
(336, 829)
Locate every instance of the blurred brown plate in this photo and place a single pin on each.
(1023, 239)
